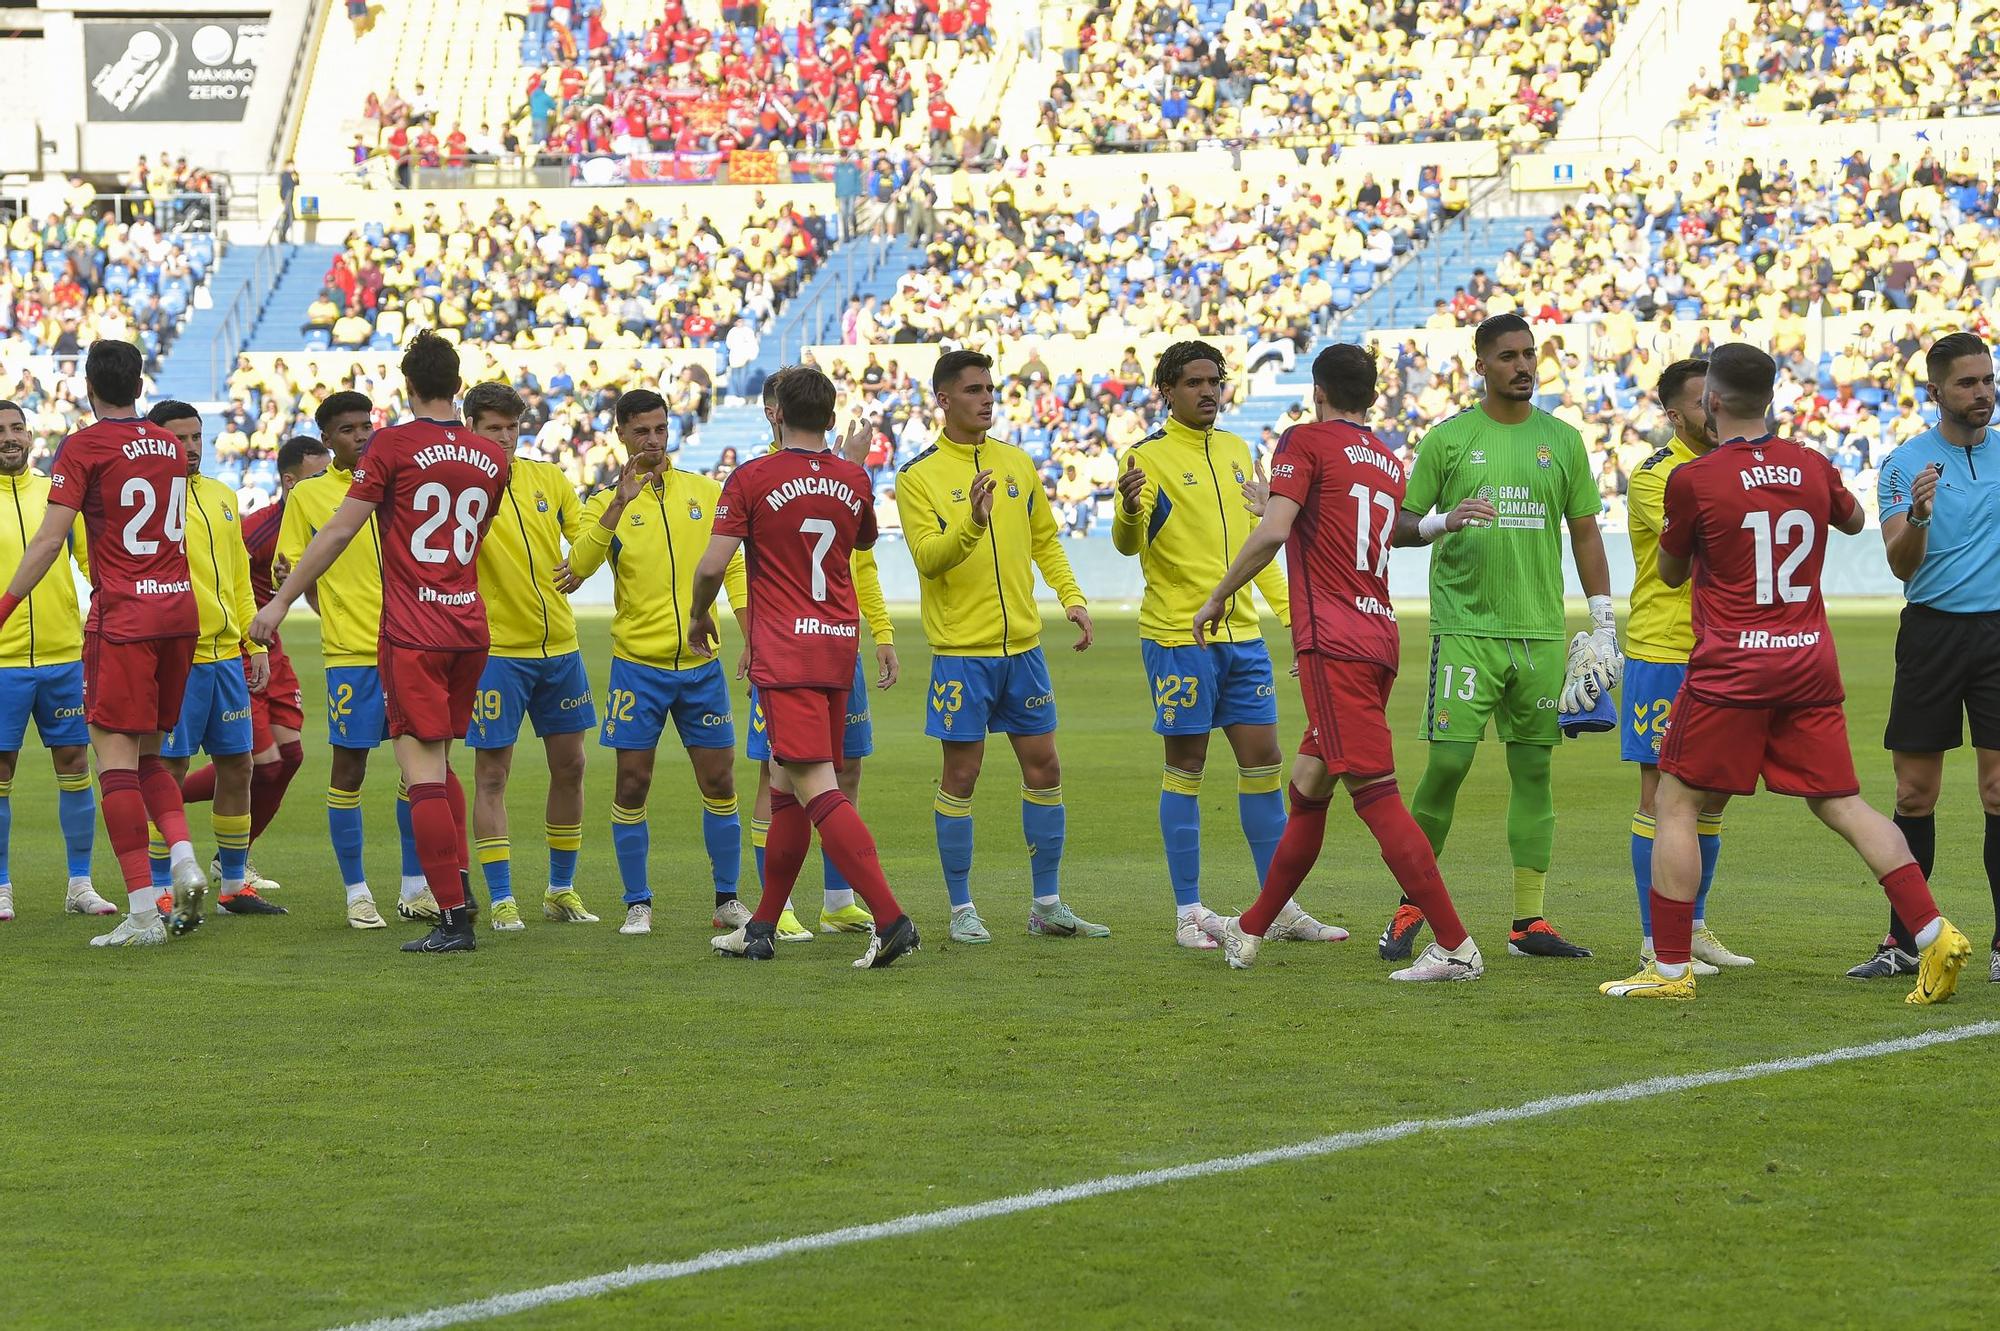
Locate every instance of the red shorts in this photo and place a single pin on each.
(1798, 751)
(429, 694)
(135, 688)
(805, 725)
(1347, 715)
(282, 703)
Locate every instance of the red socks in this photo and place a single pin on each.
(1911, 897)
(198, 786)
(849, 844)
(454, 795)
(162, 795)
(785, 847)
(1298, 850)
(435, 832)
(1673, 927)
(844, 838)
(268, 783)
(1407, 852)
(125, 823)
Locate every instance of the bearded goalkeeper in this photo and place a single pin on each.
(1497, 616)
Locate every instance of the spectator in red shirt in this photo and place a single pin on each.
(941, 113)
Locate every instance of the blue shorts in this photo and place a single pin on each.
(1648, 700)
(52, 695)
(643, 696)
(215, 713)
(1196, 689)
(551, 691)
(357, 716)
(857, 742)
(974, 695)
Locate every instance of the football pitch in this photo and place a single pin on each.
(283, 1123)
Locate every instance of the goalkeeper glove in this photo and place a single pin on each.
(1595, 665)
(1604, 642)
(1581, 684)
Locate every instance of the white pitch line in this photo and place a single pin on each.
(926, 1222)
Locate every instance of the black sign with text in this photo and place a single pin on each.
(171, 68)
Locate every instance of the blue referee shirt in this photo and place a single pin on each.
(1961, 568)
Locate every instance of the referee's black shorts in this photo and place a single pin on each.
(1946, 665)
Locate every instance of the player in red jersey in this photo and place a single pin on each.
(437, 485)
(802, 512)
(128, 477)
(277, 712)
(1333, 497)
(1762, 696)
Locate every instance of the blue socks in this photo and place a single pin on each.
(496, 865)
(722, 833)
(1180, 833)
(1044, 823)
(1642, 868)
(631, 841)
(76, 810)
(952, 818)
(343, 828)
(412, 866)
(1260, 805)
(565, 844)
(1708, 828)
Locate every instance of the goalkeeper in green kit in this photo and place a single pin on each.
(1497, 616)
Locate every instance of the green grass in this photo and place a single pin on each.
(280, 1123)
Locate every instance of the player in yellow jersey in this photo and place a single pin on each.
(348, 600)
(534, 668)
(839, 912)
(978, 526)
(1181, 510)
(653, 527)
(215, 708)
(41, 673)
(1659, 635)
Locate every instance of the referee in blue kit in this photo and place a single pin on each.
(1940, 506)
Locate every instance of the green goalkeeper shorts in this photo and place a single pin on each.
(1513, 681)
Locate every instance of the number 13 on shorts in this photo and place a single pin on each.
(1512, 682)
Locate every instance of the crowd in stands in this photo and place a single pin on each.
(1839, 59)
(1273, 265)
(876, 78)
(80, 273)
(608, 280)
(1313, 70)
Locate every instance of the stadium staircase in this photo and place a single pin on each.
(198, 363)
(284, 312)
(1405, 299)
(812, 318)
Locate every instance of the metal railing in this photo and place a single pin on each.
(1427, 259)
(240, 317)
(860, 259)
(182, 214)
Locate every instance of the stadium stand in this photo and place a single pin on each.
(1835, 58)
(1318, 70)
(623, 79)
